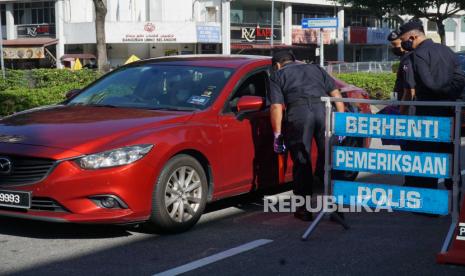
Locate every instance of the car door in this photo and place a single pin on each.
(247, 142)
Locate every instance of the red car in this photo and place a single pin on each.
(152, 141)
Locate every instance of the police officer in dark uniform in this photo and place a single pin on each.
(435, 76)
(404, 63)
(297, 87)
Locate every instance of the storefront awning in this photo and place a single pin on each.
(25, 42)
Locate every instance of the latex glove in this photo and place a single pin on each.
(340, 139)
(278, 144)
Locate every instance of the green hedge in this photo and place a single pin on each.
(27, 89)
(378, 85)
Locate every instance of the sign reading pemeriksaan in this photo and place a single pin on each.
(394, 197)
(419, 128)
(392, 162)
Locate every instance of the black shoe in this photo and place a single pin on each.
(303, 214)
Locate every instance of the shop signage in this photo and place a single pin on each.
(208, 34)
(42, 30)
(23, 52)
(253, 34)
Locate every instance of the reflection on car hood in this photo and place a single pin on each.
(80, 127)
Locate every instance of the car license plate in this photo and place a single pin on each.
(15, 199)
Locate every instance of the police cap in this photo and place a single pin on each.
(413, 24)
(393, 36)
(283, 56)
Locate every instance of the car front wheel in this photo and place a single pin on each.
(180, 195)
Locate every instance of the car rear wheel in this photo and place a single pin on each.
(180, 195)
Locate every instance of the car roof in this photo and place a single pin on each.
(223, 61)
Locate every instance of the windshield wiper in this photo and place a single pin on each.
(175, 108)
(101, 105)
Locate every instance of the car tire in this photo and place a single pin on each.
(348, 175)
(179, 196)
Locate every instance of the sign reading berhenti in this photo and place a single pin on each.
(423, 164)
(420, 128)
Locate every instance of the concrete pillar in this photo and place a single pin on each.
(10, 22)
(59, 28)
(458, 27)
(287, 30)
(226, 26)
(340, 34)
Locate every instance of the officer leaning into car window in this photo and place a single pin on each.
(435, 76)
(297, 87)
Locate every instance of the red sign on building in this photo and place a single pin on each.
(358, 35)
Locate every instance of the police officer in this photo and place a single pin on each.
(297, 87)
(404, 63)
(435, 76)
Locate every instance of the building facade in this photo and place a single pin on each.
(43, 33)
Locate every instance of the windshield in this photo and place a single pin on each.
(152, 86)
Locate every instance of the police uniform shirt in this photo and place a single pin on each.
(433, 67)
(405, 67)
(408, 75)
(296, 81)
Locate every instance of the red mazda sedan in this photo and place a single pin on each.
(152, 141)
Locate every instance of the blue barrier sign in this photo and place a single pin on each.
(401, 198)
(419, 128)
(392, 162)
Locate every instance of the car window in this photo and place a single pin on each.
(254, 85)
(154, 86)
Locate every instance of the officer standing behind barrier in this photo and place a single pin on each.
(298, 87)
(436, 76)
(404, 63)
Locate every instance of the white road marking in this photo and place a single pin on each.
(214, 258)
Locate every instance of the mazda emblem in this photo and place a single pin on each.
(5, 165)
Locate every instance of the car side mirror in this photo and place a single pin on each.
(250, 104)
(72, 93)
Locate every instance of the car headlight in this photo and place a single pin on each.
(113, 158)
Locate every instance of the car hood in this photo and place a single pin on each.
(81, 128)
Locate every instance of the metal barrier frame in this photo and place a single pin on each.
(456, 174)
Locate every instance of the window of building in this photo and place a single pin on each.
(361, 18)
(34, 13)
(211, 14)
(305, 11)
(432, 27)
(463, 24)
(450, 25)
(244, 12)
(3, 15)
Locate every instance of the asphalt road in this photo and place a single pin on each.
(381, 244)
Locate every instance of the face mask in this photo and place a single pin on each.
(407, 45)
(397, 51)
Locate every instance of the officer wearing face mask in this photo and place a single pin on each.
(404, 63)
(435, 76)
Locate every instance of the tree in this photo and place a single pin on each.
(433, 10)
(100, 14)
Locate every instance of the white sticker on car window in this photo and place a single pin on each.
(198, 100)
